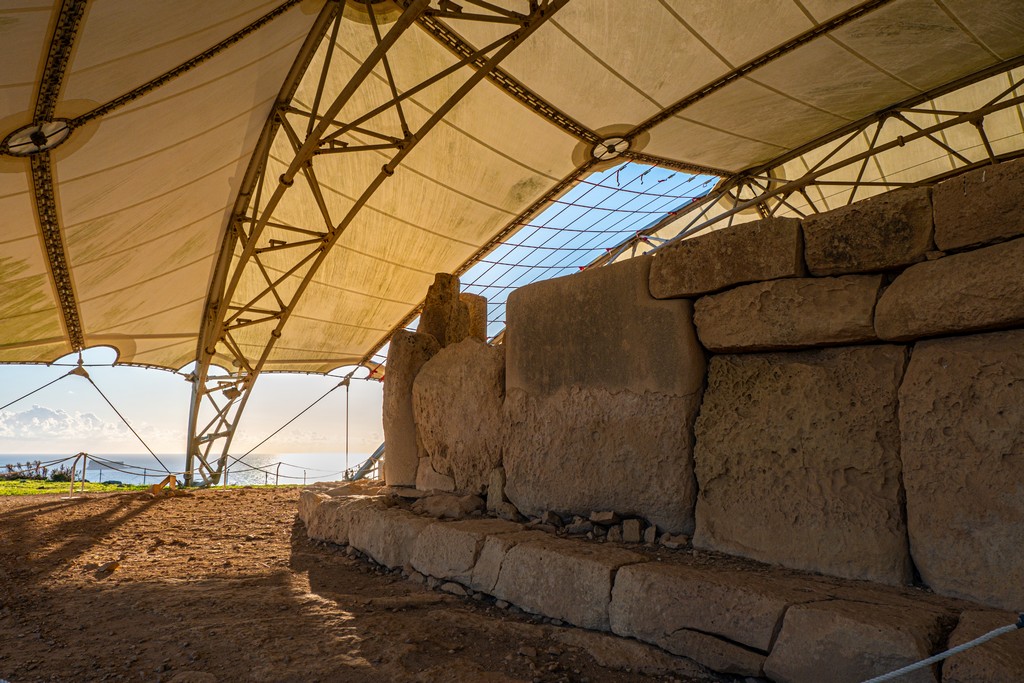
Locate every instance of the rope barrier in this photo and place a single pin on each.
(132, 429)
(995, 633)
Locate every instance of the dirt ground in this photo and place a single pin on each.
(224, 585)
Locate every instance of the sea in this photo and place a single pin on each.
(254, 469)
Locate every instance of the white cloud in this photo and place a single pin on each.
(40, 422)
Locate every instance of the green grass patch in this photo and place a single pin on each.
(28, 487)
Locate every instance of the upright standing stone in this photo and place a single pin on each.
(445, 315)
(763, 250)
(457, 400)
(962, 427)
(407, 353)
(983, 206)
(476, 305)
(881, 233)
(798, 463)
(603, 382)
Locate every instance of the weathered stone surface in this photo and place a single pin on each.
(331, 519)
(386, 535)
(797, 459)
(789, 314)
(763, 250)
(445, 316)
(450, 550)
(476, 306)
(962, 426)
(507, 510)
(605, 316)
(562, 579)
(653, 600)
(631, 531)
(407, 353)
(983, 206)
(996, 661)
(448, 505)
(429, 479)
(714, 653)
(880, 233)
(488, 565)
(496, 488)
(457, 399)
(627, 655)
(606, 517)
(309, 501)
(849, 642)
(591, 449)
(972, 291)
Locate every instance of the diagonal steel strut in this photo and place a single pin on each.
(222, 395)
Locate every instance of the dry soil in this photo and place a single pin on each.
(225, 586)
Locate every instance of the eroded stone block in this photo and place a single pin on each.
(602, 384)
(309, 501)
(980, 207)
(407, 353)
(972, 291)
(789, 314)
(445, 316)
(457, 399)
(849, 642)
(492, 555)
(763, 250)
(562, 579)
(386, 535)
(880, 233)
(331, 519)
(998, 660)
(962, 426)
(797, 460)
(429, 479)
(652, 601)
(580, 450)
(450, 550)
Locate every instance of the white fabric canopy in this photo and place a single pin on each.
(145, 192)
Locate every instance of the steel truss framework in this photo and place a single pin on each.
(226, 371)
(765, 190)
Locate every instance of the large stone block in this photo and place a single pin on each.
(407, 353)
(457, 400)
(996, 661)
(488, 565)
(763, 250)
(983, 206)
(652, 601)
(309, 501)
(789, 314)
(563, 579)
(966, 292)
(848, 642)
(881, 233)
(603, 383)
(445, 316)
(387, 535)
(962, 426)
(331, 519)
(592, 449)
(601, 329)
(450, 550)
(797, 460)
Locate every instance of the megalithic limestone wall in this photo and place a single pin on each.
(603, 382)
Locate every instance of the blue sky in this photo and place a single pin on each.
(70, 416)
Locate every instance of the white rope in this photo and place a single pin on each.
(950, 652)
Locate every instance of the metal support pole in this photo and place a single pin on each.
(84, 459)
(277, 475)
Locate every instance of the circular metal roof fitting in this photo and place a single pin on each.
(36, 138)
(609, 148)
